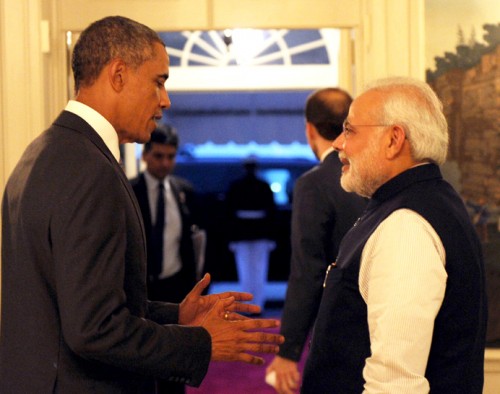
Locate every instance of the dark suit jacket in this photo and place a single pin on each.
(250, 194)
(182, 192)
(322, 213)
(75, 317)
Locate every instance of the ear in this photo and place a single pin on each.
(397, 141)
(117, 74)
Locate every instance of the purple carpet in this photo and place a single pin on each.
(237, 378)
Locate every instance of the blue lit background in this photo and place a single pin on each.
(218, 130)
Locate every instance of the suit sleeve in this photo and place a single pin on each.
(90, 233)
(163, 312)
(310, 223)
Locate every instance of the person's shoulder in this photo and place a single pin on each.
(315, 174)
(73, 151)
(330, 171)
(308, 176)
(332, 161)
(139, 179)
(309, 182)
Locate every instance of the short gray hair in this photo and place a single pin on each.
(415, 106)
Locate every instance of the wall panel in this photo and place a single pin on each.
(286, 13)
(22, 79)
(157, 14)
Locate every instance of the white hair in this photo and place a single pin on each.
(413, 105)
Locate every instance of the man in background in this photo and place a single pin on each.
(75, 315)
(404, 306)
(164, 200)
(322, 213)
(252, 210)
(171, 263)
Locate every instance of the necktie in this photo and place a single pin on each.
(157, 233)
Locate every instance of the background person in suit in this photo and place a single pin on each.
(75, 316)
(322, 213)
(171, 271)
(177, 274)
(251, 207)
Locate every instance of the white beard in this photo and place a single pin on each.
(364, 175)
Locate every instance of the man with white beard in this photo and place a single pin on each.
(403, 307)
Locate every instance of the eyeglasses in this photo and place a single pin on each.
(348, 128)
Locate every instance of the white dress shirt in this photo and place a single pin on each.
(99, 123)
(326, 153)
(173, 229)
(402, 280)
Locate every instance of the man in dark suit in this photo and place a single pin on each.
(322, 213)
(75, 316)
(177, 274)
(171, 271)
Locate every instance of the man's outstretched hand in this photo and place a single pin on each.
(234, 336)
(237, 337)
(194, 308)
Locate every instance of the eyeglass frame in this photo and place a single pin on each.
(346, 131)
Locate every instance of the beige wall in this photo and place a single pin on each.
(492, 372)
(22, 83)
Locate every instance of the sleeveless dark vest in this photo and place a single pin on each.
(341, 340)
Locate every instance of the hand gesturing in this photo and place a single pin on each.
(234, 336)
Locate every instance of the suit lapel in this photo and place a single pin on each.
(180, 197)
(72, 121)
(143, 199)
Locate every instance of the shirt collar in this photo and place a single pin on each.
(419, 173)
(99, 123)
(326, 153)
(152, 182)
